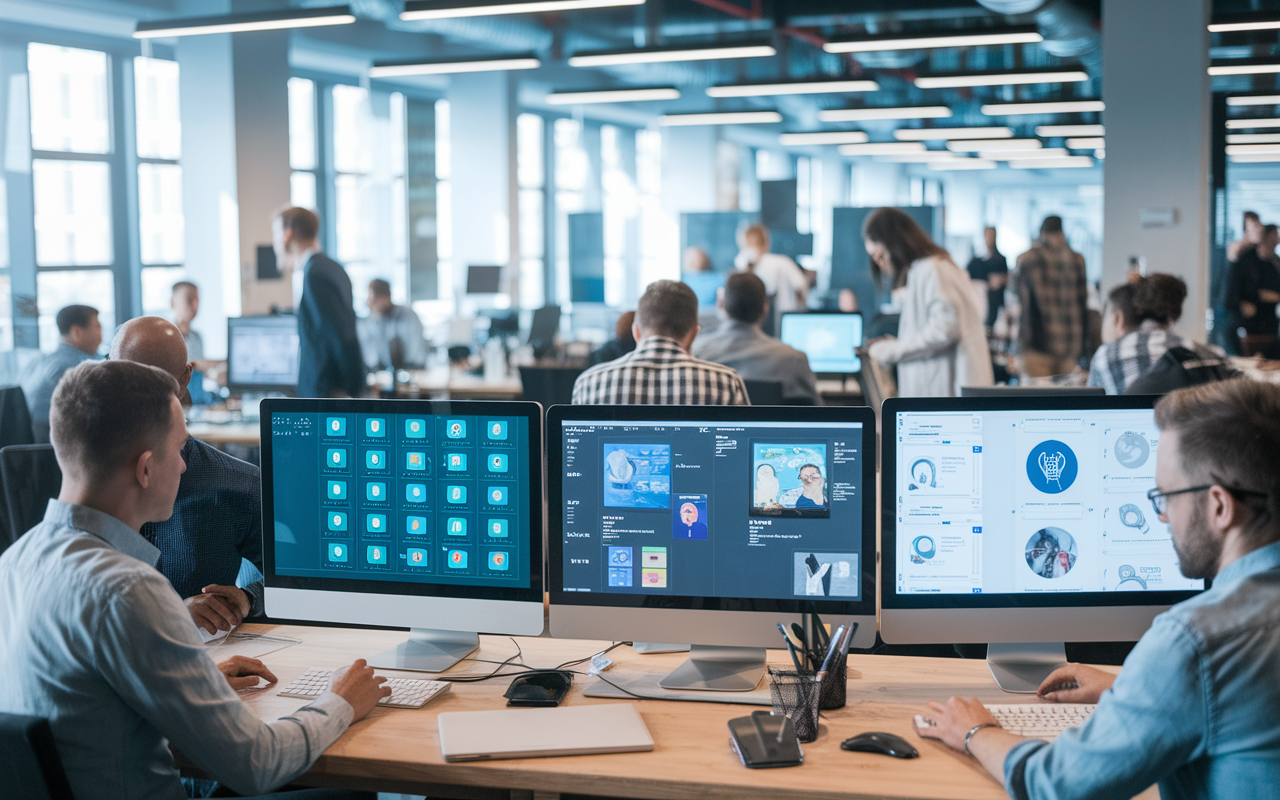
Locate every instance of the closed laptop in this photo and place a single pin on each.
(540, 732)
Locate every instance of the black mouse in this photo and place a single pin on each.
(883, 743)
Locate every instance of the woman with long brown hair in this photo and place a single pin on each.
(941, 343)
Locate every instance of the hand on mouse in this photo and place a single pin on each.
(1075, 683)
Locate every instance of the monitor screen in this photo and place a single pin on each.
(654, 507)
(829, 340)
(1043, 502)
(484, 279)
(262, 352)
(405, 497)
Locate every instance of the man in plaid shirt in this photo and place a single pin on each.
(660, 370)
(1053, 295)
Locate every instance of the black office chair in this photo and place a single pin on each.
(765, 393)
(15, 419)
(29, 479)
(548, 385)
(33, 769)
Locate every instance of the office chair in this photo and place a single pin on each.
(548, 385)
(15, 419)
(765, 393)
(32, 767)
(29, 479)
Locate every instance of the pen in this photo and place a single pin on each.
(831, 651)
(790, 647)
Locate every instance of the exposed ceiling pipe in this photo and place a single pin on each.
(1069, 31)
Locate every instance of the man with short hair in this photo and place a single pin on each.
(1253, 286)
(217, 518)
(391, 336)
(81, 336)
(660, 370)
(741, 343)
(93, 638)
(1193, 708)
(185, 302)
(1053, 298)
(329, 360)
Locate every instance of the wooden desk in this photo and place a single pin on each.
(220, 433)
(451, 384)
(396, 750)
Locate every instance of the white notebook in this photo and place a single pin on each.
(539, 732)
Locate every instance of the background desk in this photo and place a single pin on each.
(396, 750)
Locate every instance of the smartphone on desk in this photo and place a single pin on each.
(765, 740)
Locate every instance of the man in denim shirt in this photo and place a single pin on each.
(1195, 707)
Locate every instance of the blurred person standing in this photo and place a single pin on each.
(1253, 290)
(185, 302)
(786, 283)
(993, 270)
(1053, 296)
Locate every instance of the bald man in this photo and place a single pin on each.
(217, 523)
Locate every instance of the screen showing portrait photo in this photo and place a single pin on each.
(789, 480)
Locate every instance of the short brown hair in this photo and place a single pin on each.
(1159, 297)
(303, 222)
(744, 297)
(756, 232)
(1230, 436)
(379, 288)
(903, 237)
(667, 308)
(106, 413)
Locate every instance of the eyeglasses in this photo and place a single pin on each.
(1160, 502)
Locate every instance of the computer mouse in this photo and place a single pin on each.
(883, 743)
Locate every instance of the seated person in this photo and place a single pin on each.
(1137, 329)
(621, 343)
(741, 343)
(699, 276)
(391, 336)
(93, 638)
(660, 370)
(217, 518)
(1189, 709)
(81, 334)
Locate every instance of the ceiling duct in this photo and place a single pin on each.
(1069, 31)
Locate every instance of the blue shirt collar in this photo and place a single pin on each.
(105, 527)
(1260, 560)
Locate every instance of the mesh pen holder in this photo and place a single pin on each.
(795, 695)
(835, 685)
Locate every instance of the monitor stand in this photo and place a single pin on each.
(649, 648)
(713, 668)
(1020, 667)
(428, 650)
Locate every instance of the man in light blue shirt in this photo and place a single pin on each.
(1195, 707)
(81, 334)
(94, 639)
(386, 325)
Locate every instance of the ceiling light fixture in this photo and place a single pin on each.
(882, 149)
(1252, 149)
(607, 58)
(1254, 100)
(1070, 162)
(823, 137)
(1253, 138)
(1064, 107)
(906, 112)
(933, 134)
(975, 145)
(1239, 124)
(1100, 154)
(450, 9)
(1243, 22)
(1255, 159)
(721, 118)
(797, 87)
(239, 23)
(871, 44)
(957, 80)
(1018, 155)
(1049, 131)
(962, 163)
(919, 158)
(1086, 143)
(613, 96)
(398, 69)
(1245, 67)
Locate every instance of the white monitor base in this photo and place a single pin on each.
(1020, 667)
(648, 648)
(718, 669)
(428, 651)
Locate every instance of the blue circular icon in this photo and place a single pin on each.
(1052, 467)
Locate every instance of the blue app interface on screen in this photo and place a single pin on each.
(406, 498)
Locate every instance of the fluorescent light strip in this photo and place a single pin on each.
(1087, 143)
(662, 56)
(1253, 138)
(860, 114)
(1049, 131)
(882, 149)
(999, 79)
(975, 145)
(1239, 124)
(1100, 153)
(613, 96)
(920, 158)
(1260, 158)
(1258, 25)
(962, 163)
(1254, 100)
(721, 118)
(931, 134)
(240, 23)
(1244, 69)
(432, 10)
(775, 89)
(452, 67)
(1021, 36)
(1018, 155)
(1252, 149)
(823, 137)
(1065, 107)
(1070, 162)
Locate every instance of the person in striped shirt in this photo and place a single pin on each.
(660, 370)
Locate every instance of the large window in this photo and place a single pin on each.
(659, 234)
(444, 204)
(302, 143)
(573, 170)
(159, 146)
(531, 178)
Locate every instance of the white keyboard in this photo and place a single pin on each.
(405, 692)
(1040, 720)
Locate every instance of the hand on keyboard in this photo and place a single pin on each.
(1040, 720)
(360, 687)
(1075, 683)
(951, 721)
(400, 692)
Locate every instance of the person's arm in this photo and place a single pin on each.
(938, 330)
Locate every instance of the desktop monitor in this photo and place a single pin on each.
(416, 514)
(262, 353)
(1023, 522)
(484, 279)
(830, 340)
(543, 329)
(710, 525)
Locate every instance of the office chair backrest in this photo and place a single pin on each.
(764, 393)
(29, 479)
(15, 418)
(548, 385)
(32, 768)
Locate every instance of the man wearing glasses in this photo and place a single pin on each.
(1195, 706)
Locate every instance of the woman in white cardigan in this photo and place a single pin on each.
(941, 343)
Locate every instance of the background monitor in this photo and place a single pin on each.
(692, 524)
(417, 514)
(1023, 522)
(484, 279)
(262, 353)
(543, 329)
(830, 340)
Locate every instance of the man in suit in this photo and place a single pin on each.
(329, 360)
